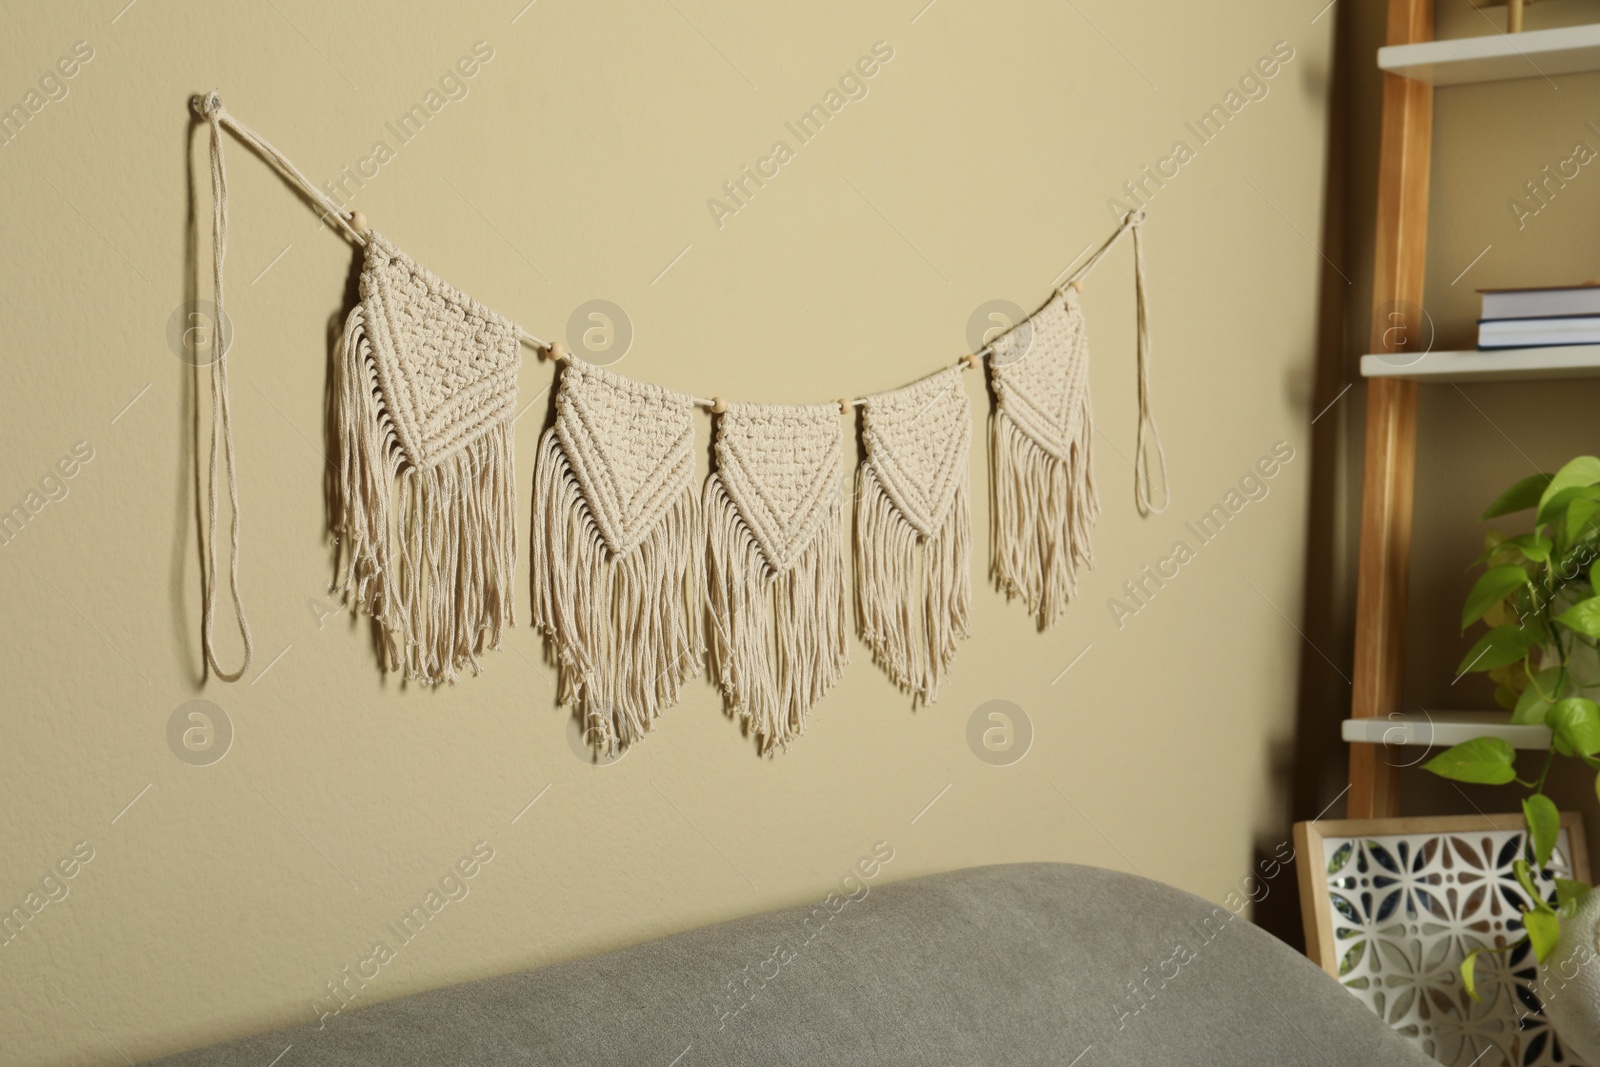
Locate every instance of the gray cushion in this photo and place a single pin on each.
(1035, 963)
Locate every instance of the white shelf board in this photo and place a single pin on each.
(1445, 728)
(1505, 364)
(1496, 57)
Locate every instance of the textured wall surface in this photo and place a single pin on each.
(577, 163)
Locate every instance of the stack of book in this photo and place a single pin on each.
(1536, 318)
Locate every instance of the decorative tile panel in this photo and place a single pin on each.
(1406, 910)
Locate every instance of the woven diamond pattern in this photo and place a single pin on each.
(631, 447)
(446, 365)
(1041, 373)
(917, 442)
(779, 464)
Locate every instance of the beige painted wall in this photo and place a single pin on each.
(220, 899)
(1489, 140)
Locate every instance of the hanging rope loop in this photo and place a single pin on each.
(1150, 458)
(209, 106)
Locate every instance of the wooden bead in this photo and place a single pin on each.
(358, 222)
(1077, 284)
(556, 352)
(844, 406)
(971, 360)
(718, 405)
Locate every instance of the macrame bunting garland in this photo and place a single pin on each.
(426, 488)
(629, 560)
(774, 530)
(618, 550)
(913, 530)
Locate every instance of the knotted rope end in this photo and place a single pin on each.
(207, 105)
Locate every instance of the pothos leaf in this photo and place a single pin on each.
(1469, 977)
(1521, 496)
(1501, 645)
(1580, 518)
(1544, 823)
(1482, 760)
(1584, 617)
(1569, 896)
(1544, 930)
(1531, 708)
(1582, 471)
(1524, 873)
(1534, 545)
(1493, 587)
(1576, 723)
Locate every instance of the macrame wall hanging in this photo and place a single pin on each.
(426, 487)
(639, 577)
(425, 390)
(775, 534)
(914, 530)
(617, 549)
(1041, 439)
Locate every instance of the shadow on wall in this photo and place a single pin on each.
(1313, 769)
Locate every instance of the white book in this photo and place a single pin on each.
(1539, 333)
(1540, 303)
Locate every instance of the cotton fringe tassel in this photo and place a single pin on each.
(626, 632)
(779, 638)
(430, 553)
(1043, 510)
(912, 592)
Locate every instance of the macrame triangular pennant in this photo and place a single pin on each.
(1042, 473)
(913, 529)
(781, 468)
(917, 440)
(618, 553)
(630, 446)
(426, 390)
(774, 519)
(446, 365)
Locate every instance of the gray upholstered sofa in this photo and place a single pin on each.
(1022, 964)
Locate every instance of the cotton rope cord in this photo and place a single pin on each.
(557, 352)
(221, 416)
(209, 107)
(1147, 421)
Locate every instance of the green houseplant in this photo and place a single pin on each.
(1538, 598)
